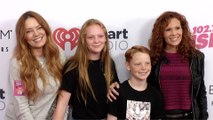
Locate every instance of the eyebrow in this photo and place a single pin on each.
(35, 26)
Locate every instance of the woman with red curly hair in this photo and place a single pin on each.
(178, 68)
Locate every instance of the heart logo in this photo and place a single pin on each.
(61, 36)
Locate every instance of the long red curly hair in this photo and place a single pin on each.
(157, 42)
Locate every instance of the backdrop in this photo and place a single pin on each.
(128, 22)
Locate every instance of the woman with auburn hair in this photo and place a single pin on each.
(178, 68)
(35, 69)
(87, 75)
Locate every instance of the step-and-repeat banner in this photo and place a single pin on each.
(128, 22)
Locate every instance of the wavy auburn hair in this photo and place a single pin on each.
(80, 60)
(157, 42)
(30, 69)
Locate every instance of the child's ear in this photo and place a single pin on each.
(127, 66)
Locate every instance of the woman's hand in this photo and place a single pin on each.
(112, 92)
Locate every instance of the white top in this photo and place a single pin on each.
(20, 108)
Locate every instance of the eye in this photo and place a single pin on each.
(39, 27)
(178, 28)
(29, 31)
(167, 29)
(148, 63)
(100, 36)
(89, 37)
(137, 64)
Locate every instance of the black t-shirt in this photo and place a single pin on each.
(93, 109)
(133, 104)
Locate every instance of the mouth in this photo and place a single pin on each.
(174, 39)
(97, 45)
(37, 39)
(143, 73)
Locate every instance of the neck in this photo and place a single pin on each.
(171, 50)
(138, 85)
(94, 57)
(38, 53)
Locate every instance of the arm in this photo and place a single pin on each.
(62, 55)
(202, 98)
(21, 102)
(113, 108)
(111, 117)
(62, 104)
(157, 112)
(112, 92)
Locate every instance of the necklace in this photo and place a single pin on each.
(41, 61)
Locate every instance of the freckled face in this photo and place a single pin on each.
(173, 34)
(34, 34)
(95, 40)
(139, 66)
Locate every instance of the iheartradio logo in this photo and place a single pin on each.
(61, 36)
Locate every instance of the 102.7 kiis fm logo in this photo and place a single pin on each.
(203, 36)
(117, 38)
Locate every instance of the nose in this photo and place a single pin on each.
(96, 39)
(35, 32)
(143, 66)
(174, 32)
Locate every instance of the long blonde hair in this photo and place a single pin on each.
(30, 69)
(80, 60)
